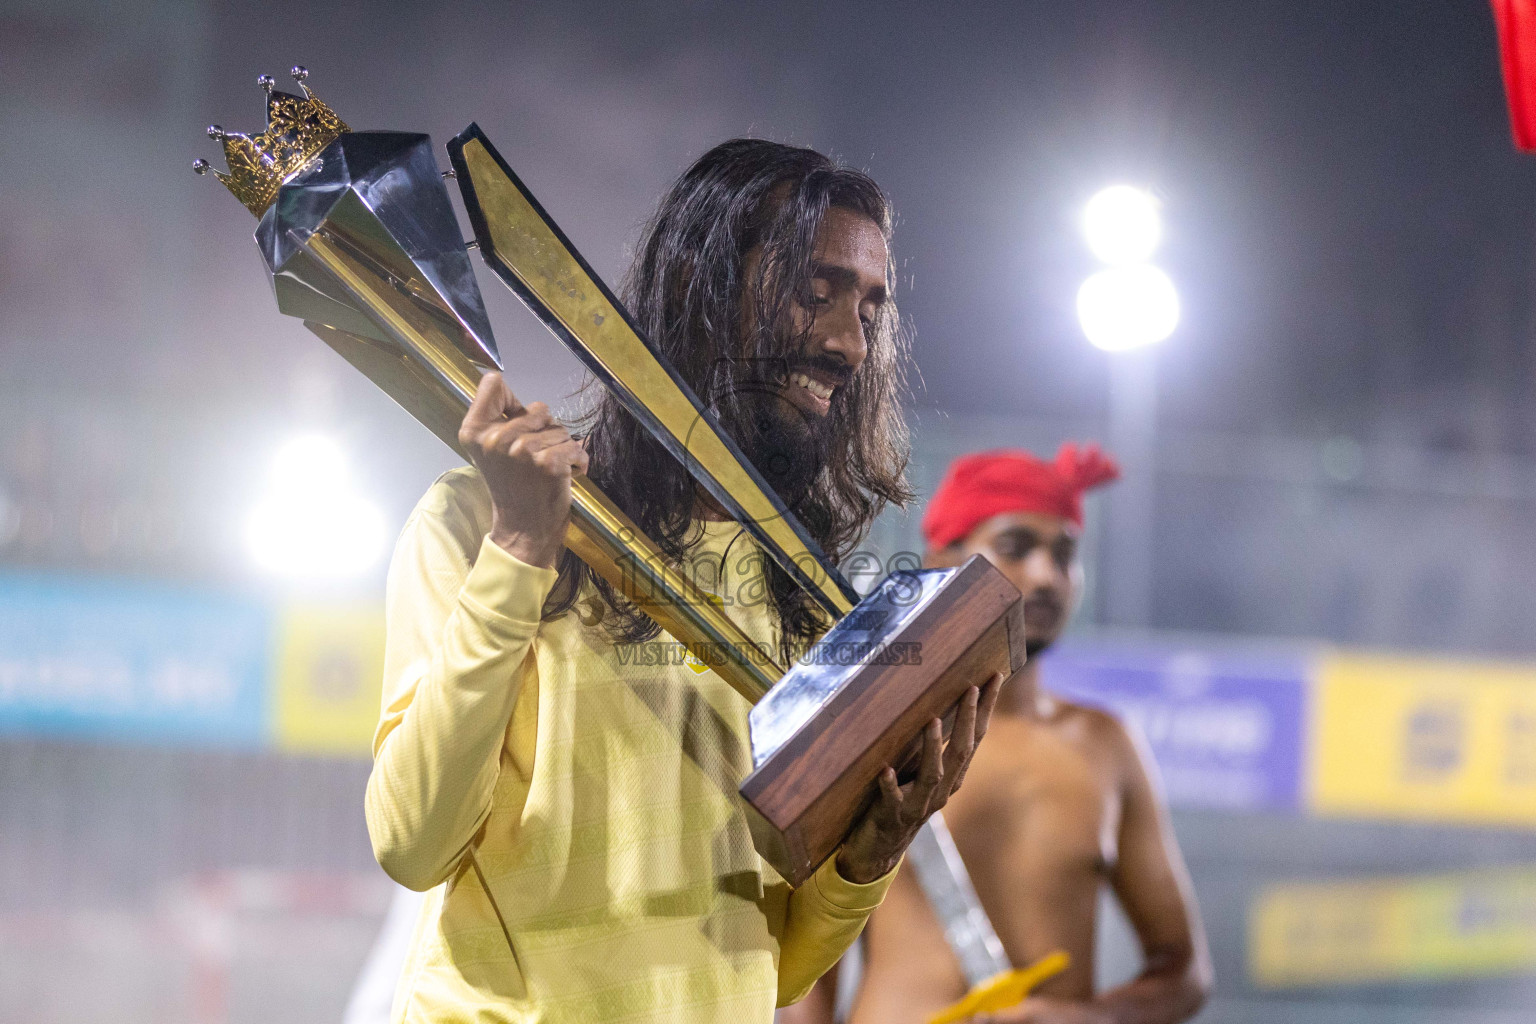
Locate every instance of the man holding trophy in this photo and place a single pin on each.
(616, 878)
(622, 804)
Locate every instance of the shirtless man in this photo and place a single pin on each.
(1058, 801)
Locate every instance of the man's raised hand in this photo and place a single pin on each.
(527, 459)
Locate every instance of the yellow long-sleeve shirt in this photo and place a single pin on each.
(596, 790)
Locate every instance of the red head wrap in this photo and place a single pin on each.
(1515, 21)
(978, 487)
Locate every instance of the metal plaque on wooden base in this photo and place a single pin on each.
(861, 696)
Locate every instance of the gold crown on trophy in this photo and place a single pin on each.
(298, 128)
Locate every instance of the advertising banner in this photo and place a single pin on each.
(1425, 739)
(328, 674)
(1331, 733)
(132, 661)
(1363, 931)
(1226, 730)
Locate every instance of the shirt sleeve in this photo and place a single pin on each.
(456, 639)
(825, 915)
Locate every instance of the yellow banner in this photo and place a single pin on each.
(1467, 924)
(1424, 739)
(329, 671)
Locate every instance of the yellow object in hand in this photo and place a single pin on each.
(1004, 990)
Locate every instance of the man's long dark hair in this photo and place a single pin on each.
(711, 311)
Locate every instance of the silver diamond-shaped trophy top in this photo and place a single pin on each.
(382, 190)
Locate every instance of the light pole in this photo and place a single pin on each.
(1125, 309)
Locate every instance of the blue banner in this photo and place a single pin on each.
(1226, 730)
(132, 660)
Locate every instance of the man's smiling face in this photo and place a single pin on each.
(785, 420)
(847, 293)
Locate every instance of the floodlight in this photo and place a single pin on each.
(1124, 308)
(309, 462)
(1123, 224)
(311, 524)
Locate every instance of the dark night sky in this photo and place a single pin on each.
(1348, 222)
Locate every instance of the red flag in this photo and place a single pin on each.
(1516, 23)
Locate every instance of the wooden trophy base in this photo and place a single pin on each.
(859, 700)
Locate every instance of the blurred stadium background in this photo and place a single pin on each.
(1322, 619)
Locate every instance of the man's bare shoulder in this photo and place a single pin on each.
(1061, 743)
(1114, 744)
(1096, 728)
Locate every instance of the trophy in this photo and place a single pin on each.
(360, 241)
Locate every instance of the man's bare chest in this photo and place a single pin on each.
(1037, 805)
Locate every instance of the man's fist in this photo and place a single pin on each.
(527, 459)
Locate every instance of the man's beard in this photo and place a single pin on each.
(788, 446)
(1042, 605)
